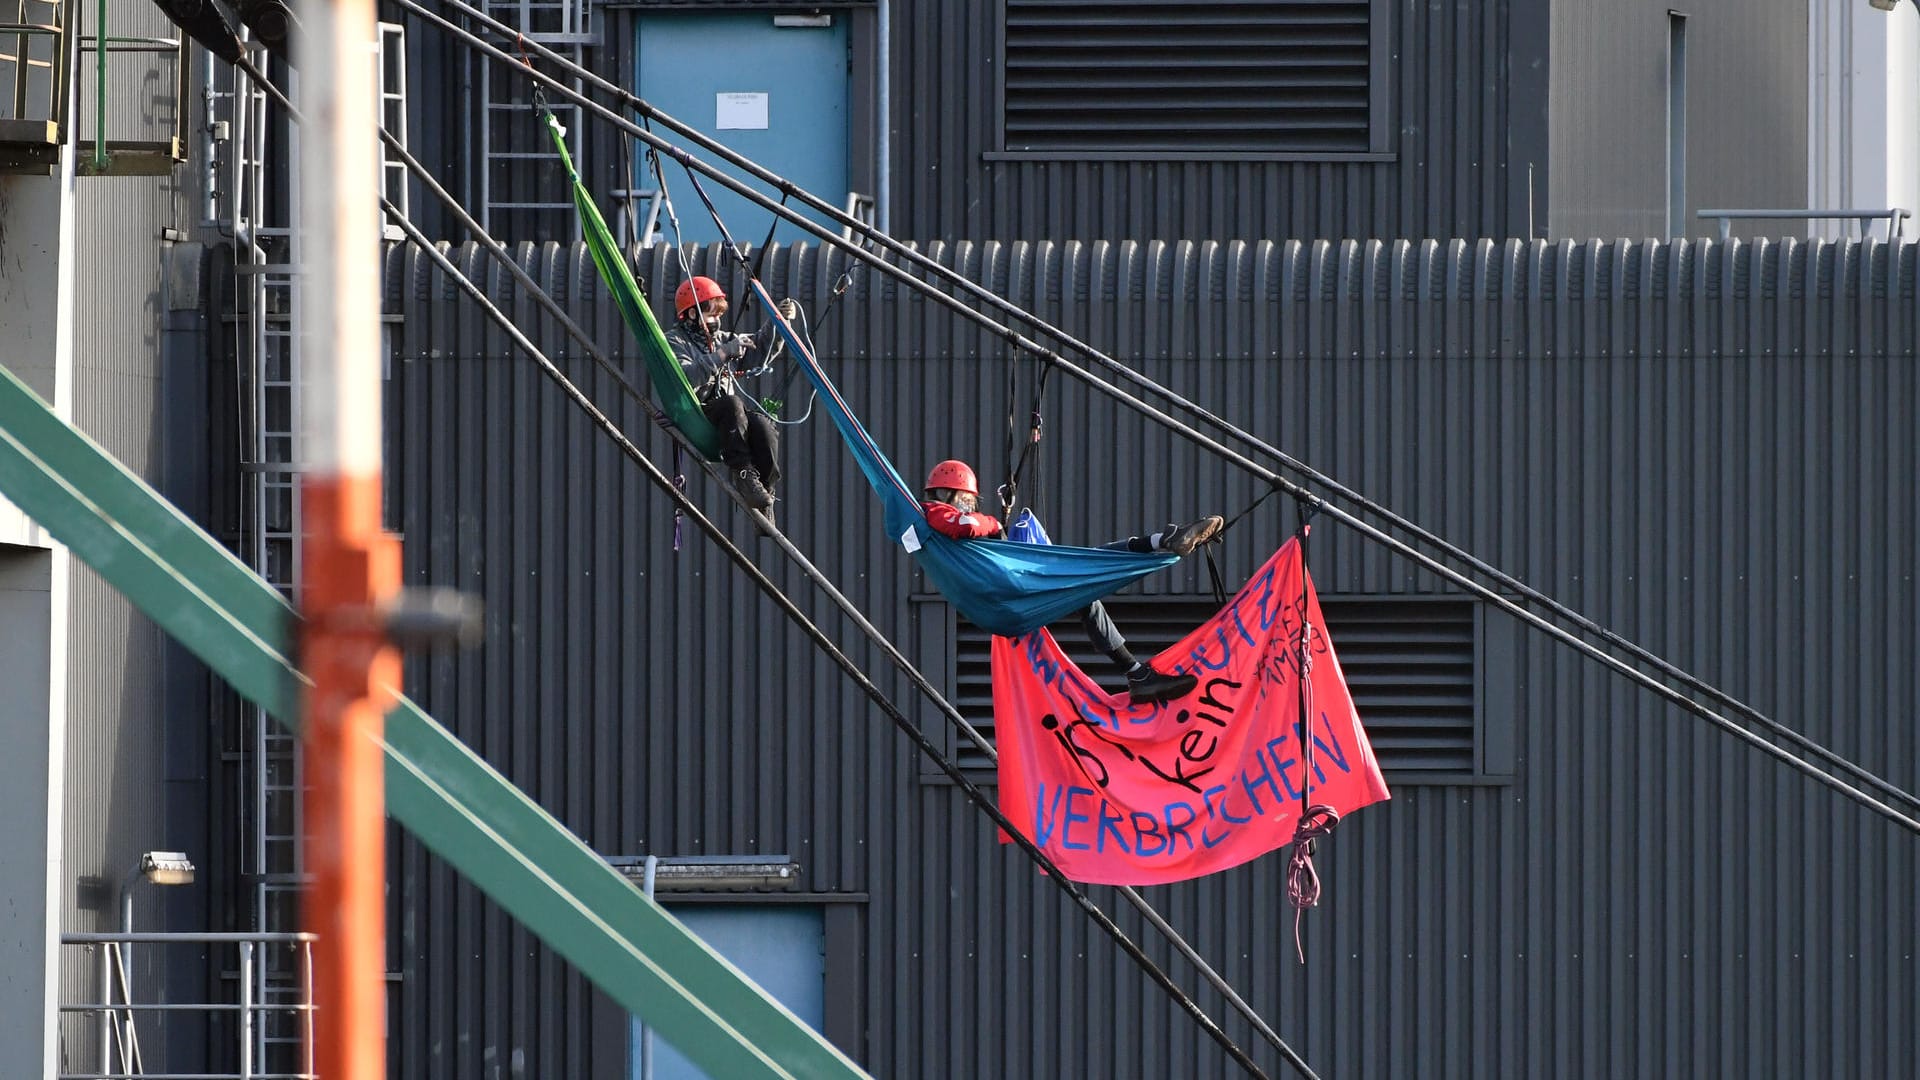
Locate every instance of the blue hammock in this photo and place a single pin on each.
(1003, 586)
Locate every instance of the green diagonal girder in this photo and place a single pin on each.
(457, 804)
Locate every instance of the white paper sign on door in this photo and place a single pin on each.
(738, 112)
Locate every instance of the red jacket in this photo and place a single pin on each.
(950, 521)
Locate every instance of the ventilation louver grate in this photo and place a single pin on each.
(1409, 664)
(1136, 76)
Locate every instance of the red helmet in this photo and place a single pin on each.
(957, 475)
(695, 290)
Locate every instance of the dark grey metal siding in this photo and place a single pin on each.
(1746, 94)
(1454, 161)
(1710, 449)
(1449, 167)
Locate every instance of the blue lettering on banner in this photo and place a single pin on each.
(1265, 780)
(1338, 751)
(1037, 660)
(1281, 766)
(1096, 713)
(1207, 797)
(1179, 828)
(1264, 600)
(1239, 622)
(1066, 830)
(1199, 653)
(1109, 825)
(1141, 832)
(1043, 826)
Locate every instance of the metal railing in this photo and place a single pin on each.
(1896, 218)
(117, 1036)
(36, 62)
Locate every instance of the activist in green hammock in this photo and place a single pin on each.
(715, 360)
(952, 501)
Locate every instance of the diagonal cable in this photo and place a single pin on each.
(1365, 528)
(532, 289)
(826, 645)
(812, 573)
(952, 277)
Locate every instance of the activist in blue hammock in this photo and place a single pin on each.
(952, 506)
(1006, 589)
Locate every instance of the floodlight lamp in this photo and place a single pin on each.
(167, 867)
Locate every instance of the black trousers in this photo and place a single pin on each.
(748, 439)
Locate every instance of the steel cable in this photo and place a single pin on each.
(954, 278)
(1362, 526)
(684, 505)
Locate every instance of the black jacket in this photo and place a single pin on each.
(709, 371)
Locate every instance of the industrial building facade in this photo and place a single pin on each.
(1704, 447)
(1358, 230)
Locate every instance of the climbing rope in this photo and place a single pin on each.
(919, 737)
(1303, 881)
(1316, 821)
(683, 504)
(778, 400)
(1504, 594)
(1030, 450)
(759, 264)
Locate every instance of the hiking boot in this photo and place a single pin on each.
(1148, 686)
(1183, 540)
(747, 482)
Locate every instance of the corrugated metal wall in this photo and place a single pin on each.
(1465, 114)
(1710, 449)
(1746, 85)
(115, 736)
(1453, 168)
(117, 761)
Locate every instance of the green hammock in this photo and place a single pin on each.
(670, 386)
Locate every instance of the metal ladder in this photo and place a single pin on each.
(390, 88)
(517, 196)
(274, 771)
(277, 774)
(239, 140)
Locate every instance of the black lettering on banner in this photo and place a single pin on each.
(1178, 775)
(1065, 736)
(1207, 698)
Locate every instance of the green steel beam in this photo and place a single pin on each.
(457, 804)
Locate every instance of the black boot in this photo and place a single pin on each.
(1147, 686)
(1183, 540)
(747, 482)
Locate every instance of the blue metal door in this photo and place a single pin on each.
(776, 93)
(781, 947)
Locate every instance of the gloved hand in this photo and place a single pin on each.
(789, 309)
(734, 346)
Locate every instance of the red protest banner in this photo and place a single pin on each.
(1123, 794)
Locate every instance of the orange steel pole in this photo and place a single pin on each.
(352, 568)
